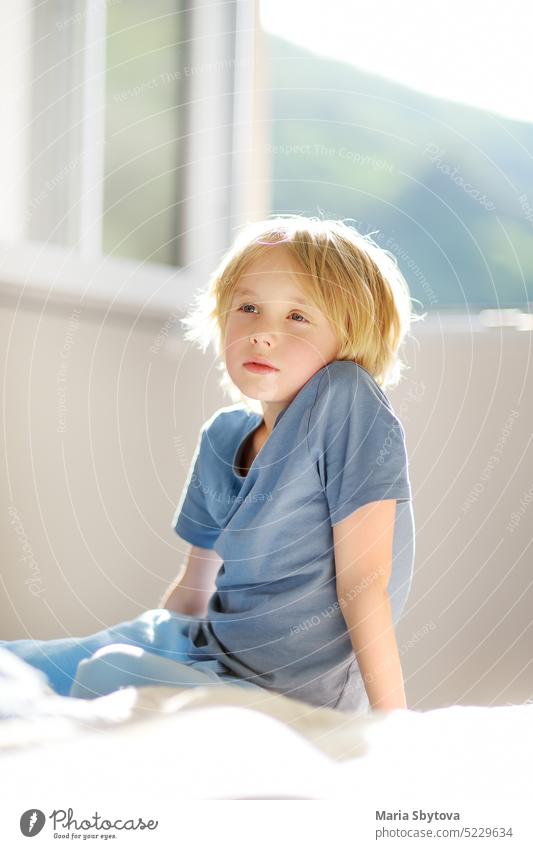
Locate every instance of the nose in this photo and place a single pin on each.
(261, 338)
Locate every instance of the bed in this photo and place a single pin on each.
(151, 747)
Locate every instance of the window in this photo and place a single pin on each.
(129, 150)
(420, 134)
(146, 59)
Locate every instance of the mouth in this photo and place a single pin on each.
(260, 367)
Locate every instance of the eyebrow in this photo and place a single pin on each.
(294, 299)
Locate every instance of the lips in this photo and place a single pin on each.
(260, 366)
(260, 362)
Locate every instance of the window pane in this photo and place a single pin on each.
(144, 120)
(443, 185)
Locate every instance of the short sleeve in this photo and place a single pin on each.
(192, 520)
(356, 441)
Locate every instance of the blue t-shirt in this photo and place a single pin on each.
(275, 618)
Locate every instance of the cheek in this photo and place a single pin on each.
(234, 339)
(328, 339)
(318, 347)
(230, 335)
(295, 339)
(312, 340)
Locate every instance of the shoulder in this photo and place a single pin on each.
(355, 438)
(346, 382)
(349, 400)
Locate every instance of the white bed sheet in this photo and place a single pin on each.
(159, 746)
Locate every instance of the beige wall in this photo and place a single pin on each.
(90, 507)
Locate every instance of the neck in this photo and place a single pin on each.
(271, 410)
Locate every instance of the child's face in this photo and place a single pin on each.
(266, 321)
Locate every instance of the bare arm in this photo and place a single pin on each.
(190, 592)
(363, 561)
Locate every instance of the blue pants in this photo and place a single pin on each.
(147, 651)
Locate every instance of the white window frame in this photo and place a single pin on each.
(217, 136)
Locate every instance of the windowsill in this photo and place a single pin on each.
(474, 319)
(48, 276)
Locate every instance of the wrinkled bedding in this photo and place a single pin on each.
(229, 743)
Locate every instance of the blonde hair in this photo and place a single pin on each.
(356, 284)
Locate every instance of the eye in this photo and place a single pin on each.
(302, 318)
